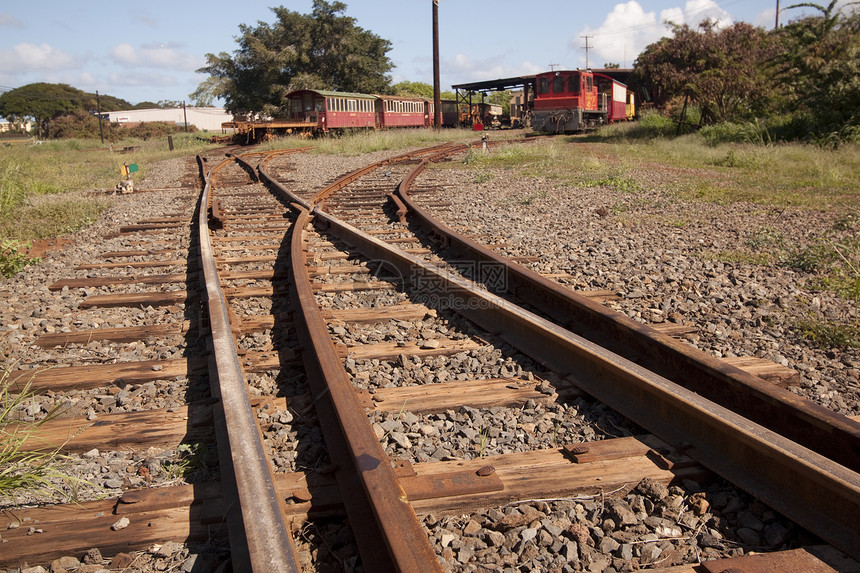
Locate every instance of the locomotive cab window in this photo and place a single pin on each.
(573, 84)
(589, 83)
(543, 85)
(558, 84)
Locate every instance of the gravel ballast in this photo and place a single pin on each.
(659, 253)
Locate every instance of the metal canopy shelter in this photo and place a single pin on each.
(464, 91)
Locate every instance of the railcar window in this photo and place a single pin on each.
(350, 104)
(558, 84)
(589, 83)
(573, 84)
(308, 102)
(543, 85)
(297, 106)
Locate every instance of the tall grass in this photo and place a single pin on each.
(39, 182)
(28, 465)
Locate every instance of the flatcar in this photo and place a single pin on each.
(577, 100)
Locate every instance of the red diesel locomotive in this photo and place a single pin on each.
(570, 101)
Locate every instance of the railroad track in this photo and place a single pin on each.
(377, 401)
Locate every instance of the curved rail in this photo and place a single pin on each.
(803, 485)
(383, 521)
(259, 538)
(788, 414)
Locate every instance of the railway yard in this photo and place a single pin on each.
(436, 367)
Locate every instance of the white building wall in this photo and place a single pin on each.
(209, 118)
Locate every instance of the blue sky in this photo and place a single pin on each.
(149, 51)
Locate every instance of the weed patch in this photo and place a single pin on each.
(828, 334)
(12, 257)
(25, 468)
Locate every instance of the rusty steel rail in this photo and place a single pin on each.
(819, 429)
(804, 485)
(259, 537)
(389, 535)
(814, 491)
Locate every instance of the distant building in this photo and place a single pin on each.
(8, 126)
(208, 118)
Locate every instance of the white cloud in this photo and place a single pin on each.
(161, 56)
(26, 57)
(10, 21)
(463, 69)
(625, 32)
(695, 11)
(628, 29)
(765, 19)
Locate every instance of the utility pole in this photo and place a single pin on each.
(586, 50)
(185, 116)
(99, 113)
(437, 96)
(776, 25)
(552, 67)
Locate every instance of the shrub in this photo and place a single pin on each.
(12, 257)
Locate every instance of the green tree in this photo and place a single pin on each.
(208, 91)
(44, 102)
(40, 102)
(169, 104)
(418, 89)
(720, 71)
(323, 50)
(820, 68)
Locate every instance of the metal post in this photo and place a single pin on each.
(99, 113)
(776, 24)
(586, 50)
(185, 115)
(437, 97)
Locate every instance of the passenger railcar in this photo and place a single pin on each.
(320, 111)
(397, 111)
(571, 101)
(325, 110)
